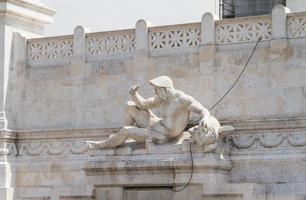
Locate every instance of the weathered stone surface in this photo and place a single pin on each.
(66, 90)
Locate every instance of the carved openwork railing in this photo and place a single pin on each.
(243, 30)
(106, 45)
(55, 50)
(296, 25)
(165, 38)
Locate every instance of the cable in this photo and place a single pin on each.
(246, 64)
(190, 146)
(191, 173)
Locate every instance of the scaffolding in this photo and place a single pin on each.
(227, 9)
(241, 8)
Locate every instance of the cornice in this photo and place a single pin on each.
(7, 135)
(267, 124)
(37, 7)
(20, 22)
(239, 125)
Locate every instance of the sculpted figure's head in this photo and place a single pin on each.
(162, 85)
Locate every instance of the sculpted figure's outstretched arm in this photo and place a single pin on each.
(144, 103)
(194, 106)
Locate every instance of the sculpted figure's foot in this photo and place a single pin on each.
(95, 144)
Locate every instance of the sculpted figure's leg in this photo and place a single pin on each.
(113, 141)
(145, 118)
(130, 109)
(141, 134)
(158, 138)
(142, 118)
(138, 121)
(138, 134)
(159, 133)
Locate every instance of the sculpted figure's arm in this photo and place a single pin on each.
(141, 102)
(194, 106)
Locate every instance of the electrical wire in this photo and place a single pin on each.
(238, 75)
(191, 173)
(190, 145)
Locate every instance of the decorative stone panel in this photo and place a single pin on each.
(296, 25)
(115, 44)
(268, 140)
(52, 148)
(46, 51)
(243, 30)
(183, 36)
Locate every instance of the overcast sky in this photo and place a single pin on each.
(104, 15)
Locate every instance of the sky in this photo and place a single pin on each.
(106, 15)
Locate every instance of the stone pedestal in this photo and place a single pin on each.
(153, 171)
(135, 171)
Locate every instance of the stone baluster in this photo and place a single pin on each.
(279, 27)
(79, 46)
(208, 29)
(141, 61)
(208, 41)
(141, 39)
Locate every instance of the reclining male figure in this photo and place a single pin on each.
(143, 124)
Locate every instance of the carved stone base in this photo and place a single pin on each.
(156, 170)
(165, 166)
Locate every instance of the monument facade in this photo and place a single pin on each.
(60, 92)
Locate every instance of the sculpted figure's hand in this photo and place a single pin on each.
(133, 89)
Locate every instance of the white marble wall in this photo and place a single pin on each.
(76, 87)
(82, 81)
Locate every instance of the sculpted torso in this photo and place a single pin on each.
(175, 117)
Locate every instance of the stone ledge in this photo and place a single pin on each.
(280, 197)
(7, 135)
(239, 125)
(247, 191)
(179, 161)
(250, 135)
(156, 170)
(267, 124)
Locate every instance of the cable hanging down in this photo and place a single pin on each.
(190, 145)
